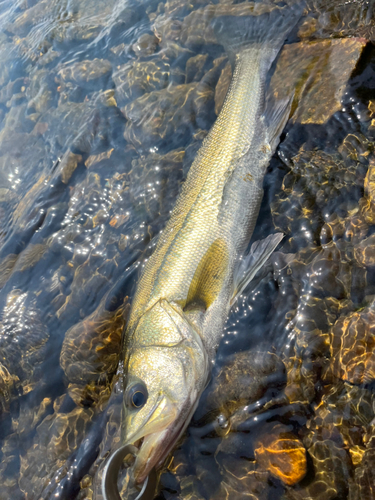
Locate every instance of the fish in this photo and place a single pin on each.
(199, 267)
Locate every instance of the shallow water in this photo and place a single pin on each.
(103, 105)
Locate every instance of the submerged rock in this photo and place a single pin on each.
(91, 349)
(89, 73)
(362, 488)
(136, 78)
(173, 113)
(317, 72)
(197, 30)
(145, 45)
(84, 188)
(58, 435)
(23, 346)
(243, 380)
(331, 466)
(353, 347)
(330, 18)
(283, 454)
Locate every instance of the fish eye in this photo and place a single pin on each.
(137, 396)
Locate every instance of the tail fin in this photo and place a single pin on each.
(267, 31)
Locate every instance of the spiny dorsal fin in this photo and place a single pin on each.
(250, 265)
(209, 276)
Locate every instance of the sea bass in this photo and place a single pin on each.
(193, 277)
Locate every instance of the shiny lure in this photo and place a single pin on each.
(197, 271)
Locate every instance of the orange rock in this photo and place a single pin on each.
(118, 220)
(282, 454)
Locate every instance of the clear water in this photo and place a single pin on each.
(103, 105)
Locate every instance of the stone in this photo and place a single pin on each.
(159, 115)
(317, 72)
(353, 347)
(283, 454)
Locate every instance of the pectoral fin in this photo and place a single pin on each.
(259, 253)
(209, 276)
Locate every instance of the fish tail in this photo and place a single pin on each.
(265, 32)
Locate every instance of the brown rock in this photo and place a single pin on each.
(370, 181)
(353, 347)
(167, 29)
(85, 71)
(318, 72)
(154, 117)
(40, 128)
(30, 256)
(136, 78)
(365, 251)
(331, 467)
(338, 19)
(244, 379)
(90, 352)
(363, 486)
(29, 18)
(174, 8)
(58, 435)
(196, 28)
(7, 382)
(23, 342)
(145, 45)
(94, 159)
(307, 28)
(68, 165)
(240, 479)
(38, 92)
(367, 204)
(356, 454)
(6, 268)
(195, 68)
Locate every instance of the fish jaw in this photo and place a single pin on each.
(157, 446)
(154, 435)
(151, 454)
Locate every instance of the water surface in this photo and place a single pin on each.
(103, 105)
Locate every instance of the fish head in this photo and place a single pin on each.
(165, 374)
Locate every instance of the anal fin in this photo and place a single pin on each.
(259, 254)
(209, 276)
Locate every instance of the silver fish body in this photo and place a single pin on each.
(189, 283)
(219, 202)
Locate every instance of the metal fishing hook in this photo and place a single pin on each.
(111, 472)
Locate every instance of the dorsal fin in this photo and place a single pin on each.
(209, 276)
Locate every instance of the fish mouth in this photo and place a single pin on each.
(151, 454)
(154, 440)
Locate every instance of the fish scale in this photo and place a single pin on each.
(197, 270)
(195, 221)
